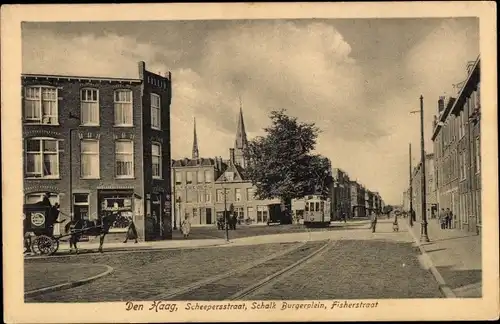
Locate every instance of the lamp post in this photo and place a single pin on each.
(226, 225)
(410, 193)
(71, 130)
(423, 232)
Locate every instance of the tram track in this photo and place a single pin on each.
(240, 282)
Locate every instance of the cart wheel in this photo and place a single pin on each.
(46, 245)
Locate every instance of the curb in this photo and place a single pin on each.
(443, 286)
(68, 285)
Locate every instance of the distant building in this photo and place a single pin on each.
(431, 200)
(457, 145)
(340, 194)
(99, 143)
(203, 187)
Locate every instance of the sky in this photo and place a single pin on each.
(357, 79)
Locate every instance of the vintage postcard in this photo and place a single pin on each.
(249, 162)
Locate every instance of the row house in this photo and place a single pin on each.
(457, 145)
(97, 144)
(431, 200)
(340, 194)
(357, 195)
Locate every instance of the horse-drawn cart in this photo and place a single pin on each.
(39, 221)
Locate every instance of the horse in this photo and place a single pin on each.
(99, 227)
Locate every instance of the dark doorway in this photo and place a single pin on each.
(208, 212)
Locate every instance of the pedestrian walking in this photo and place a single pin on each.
(395, 225)
(186, 227)
(131, 232)
(442, 219)
(374, 222)
(449, 218)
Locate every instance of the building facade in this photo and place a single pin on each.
(431, 200)
(205, 187)
(98, 144)
(457, 145)
(340, 194)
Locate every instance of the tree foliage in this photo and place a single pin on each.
(280, 163)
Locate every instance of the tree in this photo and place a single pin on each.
(280, 164)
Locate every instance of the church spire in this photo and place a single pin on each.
(195, 142)
(241, 135)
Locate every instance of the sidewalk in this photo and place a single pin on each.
(455, 254)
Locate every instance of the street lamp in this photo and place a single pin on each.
(423, 232)
(71, 130)
(178, 202)
(410, 193)
(226, 225)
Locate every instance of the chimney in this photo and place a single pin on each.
(142, 68)
(231, 156)
(441, 104)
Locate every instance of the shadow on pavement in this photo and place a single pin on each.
(459, 278)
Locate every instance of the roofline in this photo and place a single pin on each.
(75, 77)
(448, 110)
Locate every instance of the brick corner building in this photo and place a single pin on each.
(457, 147)
(97, 143)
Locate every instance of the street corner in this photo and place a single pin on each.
(43, 277)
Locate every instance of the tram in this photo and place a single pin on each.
(314, 210)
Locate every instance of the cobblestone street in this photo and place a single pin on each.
(359, 264)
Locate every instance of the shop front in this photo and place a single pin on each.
(158, 216)
(121, 202)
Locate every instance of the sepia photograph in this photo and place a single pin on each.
(201, 169)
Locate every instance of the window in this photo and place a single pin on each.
(229, 176)
(89, 101)
(33, 198)
(250, 212)
(40, 105)
(199, 177)
(478, 155)
(89, 152)
(123, 108)
(156, 160)
(208, 176)
(461, 129)
(239, 213)
(195, 212)
(249, 194)
(462, 165)
(81, 206)
(262, 214)
(189, 178)
(200, 196)
(189, 196)
(219, 195)
(42, 158)
(227, 193)
(155, 111)
(237, 194)
(124, 154)
(178, 177)
(208, 196)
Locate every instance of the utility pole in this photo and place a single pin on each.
(424, 237)
(410, 194)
